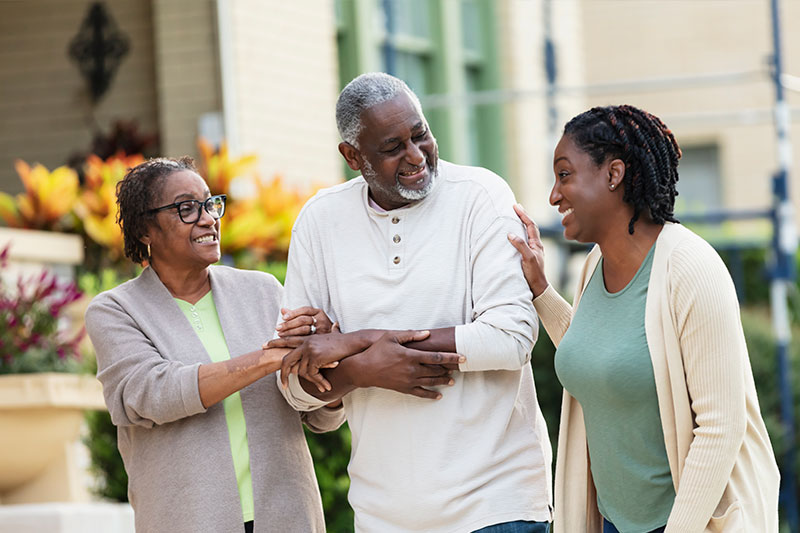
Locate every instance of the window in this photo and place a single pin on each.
(441, 48)
(699, 183)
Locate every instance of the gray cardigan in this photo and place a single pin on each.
(177, 454)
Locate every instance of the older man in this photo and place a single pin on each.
(418, 243)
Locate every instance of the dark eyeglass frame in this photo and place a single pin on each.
(205, 204)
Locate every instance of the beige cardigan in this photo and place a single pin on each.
(719, 453)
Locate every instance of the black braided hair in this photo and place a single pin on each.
(646, 146)
(137, 193)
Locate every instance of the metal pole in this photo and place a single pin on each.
(785, 247)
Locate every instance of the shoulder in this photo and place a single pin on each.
(693, 269)
(685, 252)
(332, 199)
(479, 185)
(239, 280)
(117, 301)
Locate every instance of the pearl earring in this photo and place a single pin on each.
(612, 186)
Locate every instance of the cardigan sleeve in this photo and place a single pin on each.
(706, 318)
(140, 386)
(555, 313)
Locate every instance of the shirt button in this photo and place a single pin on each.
(395, 220)
(396, 239)
(396, 259)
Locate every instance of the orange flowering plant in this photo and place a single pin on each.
(96, 205)
(260, 214)
(47, 201)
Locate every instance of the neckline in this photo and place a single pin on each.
(193, 306)
(623, 290)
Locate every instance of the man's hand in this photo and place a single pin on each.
(303, 321)
(390, 365)
(315, 352)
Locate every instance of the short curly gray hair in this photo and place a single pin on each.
(365, 91)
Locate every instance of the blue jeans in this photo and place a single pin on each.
(608, 527)
(520, 526)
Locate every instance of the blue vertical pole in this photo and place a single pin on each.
(785, 247)
(389, 55)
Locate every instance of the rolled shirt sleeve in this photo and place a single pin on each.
(504, 326)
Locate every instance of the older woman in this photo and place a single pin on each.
(660, 425)
(208, 445)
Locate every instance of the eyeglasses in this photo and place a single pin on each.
(189, 210)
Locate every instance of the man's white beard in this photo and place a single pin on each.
(399, 190)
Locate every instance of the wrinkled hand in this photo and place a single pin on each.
(303, 321)
(313, 353)
(390, 365)
(532, 253)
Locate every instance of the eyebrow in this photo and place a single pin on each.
(190, 196)
(560, 158)
(418, 126)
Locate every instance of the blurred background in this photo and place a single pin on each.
(248, 87)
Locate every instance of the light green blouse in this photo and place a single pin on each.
(204, 319)
(604, 362)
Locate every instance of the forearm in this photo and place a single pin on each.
(341, 378)
(440, 340)
(217, 381)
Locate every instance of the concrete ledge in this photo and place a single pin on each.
(67, 518)
(50, 389)
(32, 246)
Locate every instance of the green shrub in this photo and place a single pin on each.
(764, 360)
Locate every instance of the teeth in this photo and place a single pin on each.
(411, 172)
(567, 212)
(207, 238)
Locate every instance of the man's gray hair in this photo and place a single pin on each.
(365, 91)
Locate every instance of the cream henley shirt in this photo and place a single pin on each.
(480, 455)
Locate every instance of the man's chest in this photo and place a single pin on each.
(399, 273)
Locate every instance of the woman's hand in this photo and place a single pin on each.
(303, 321)
(532, 253)
(317, 352)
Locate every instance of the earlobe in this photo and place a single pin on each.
(351, 155)
(616, 173)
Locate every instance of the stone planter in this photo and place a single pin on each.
(40, 423)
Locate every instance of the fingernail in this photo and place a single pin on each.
(438, 396)
(511, 237)
(279, 326)
(451, 382)
(462, 359)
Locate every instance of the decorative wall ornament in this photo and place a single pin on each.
(98, 49)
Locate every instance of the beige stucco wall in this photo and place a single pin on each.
(285, 73)
(529, 143)
(640, 40)
(187, 67)
(44, 108)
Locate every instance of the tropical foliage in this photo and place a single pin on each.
(47, 201)
(32, 335)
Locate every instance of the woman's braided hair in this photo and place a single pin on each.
(137, 193)
(646, 146)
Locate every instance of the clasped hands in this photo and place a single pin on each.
(371, 358)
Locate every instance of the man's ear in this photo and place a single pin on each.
(351, 155)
